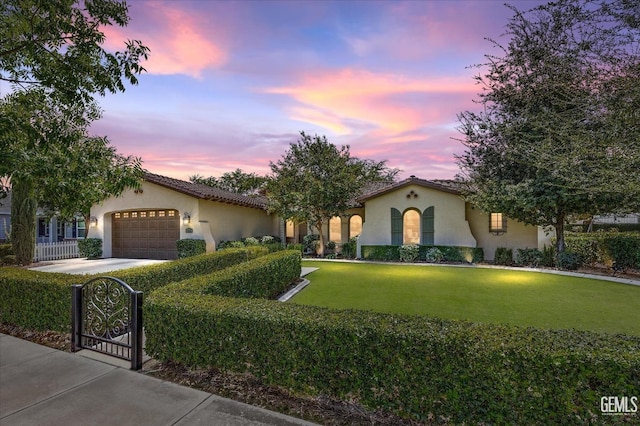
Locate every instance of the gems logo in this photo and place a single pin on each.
(619, 405)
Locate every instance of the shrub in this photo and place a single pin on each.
(331, 245)
(503, 256)
(625, 251)
(411, 365)
(449, 253)
(349, 248)
(90, 248)
(529, 257)
(5, 250)
(568, 260)
(434, 255)
(408, 252)
(267, 239)
(548, 258)
(380, 252)
(42, 300)
(188, 248)
(251, 241)
(310, 242)
(296, 246)
(264, 277)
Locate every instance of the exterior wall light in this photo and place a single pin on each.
(93, 221)
(186, 218)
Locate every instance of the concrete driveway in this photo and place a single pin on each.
(80, 266)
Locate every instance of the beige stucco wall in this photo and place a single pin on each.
(451, 227)
(211, 221)
(518, 235)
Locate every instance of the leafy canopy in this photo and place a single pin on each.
(237, 181)
(559, 131)
(315, 180)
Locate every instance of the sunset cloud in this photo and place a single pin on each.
(180, 42)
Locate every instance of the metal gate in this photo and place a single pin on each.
(107, 318)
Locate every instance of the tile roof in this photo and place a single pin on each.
(370, 192)
(206, 192)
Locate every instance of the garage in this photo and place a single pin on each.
(145, 234)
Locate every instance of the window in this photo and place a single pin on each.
(497, 223)
(355, 225)
(411, 227)
(291, 230)
(335, 229)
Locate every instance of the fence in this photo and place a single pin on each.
(55, 251)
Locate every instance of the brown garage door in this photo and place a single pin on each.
(145, 234)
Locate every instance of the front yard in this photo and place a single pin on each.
(480, 295)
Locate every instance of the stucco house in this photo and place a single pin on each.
(146, 222)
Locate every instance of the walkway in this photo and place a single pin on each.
(44, 386)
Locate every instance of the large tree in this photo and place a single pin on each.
(237, 181)
(51, 53)
(315, 181)
(559, 130)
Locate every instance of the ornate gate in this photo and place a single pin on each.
(107, 318)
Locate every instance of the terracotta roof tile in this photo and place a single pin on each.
(206, 192)
(440, 185)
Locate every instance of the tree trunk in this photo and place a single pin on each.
(320, 251)
(559, 225)
(23, 219)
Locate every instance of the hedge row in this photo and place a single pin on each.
(265, 277)
(606, 248)
(42, 300)
(417, 367)
(450, 253)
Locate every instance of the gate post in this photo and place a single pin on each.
(76, 317)
(136, 330)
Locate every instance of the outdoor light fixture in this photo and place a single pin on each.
(93, 221)
(186, 219)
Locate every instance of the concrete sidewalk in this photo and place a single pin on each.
(45, 386)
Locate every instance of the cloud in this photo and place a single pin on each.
(344, 100)
(180, 41)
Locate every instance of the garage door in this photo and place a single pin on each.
(145, 234)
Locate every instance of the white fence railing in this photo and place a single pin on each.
(55, 251)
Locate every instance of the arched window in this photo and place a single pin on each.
(355, 225)
(411, 227)
(291, 231)
(335, 229)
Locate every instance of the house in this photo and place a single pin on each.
(48, 229)
(146, 222)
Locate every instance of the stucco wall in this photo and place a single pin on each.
(518, 235)
(450, 225)
(209, 219)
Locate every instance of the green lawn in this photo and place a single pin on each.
(476, 294)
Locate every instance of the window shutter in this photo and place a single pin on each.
(396, 227)
(428, 229)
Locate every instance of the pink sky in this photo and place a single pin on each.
(231, 84)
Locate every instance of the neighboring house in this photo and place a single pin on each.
(48, 230)
(147, 222)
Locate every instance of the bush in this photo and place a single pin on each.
(380, 252)
(296, 246)
(503, 256)
(411, 365)
(529, 257)
(433, 255)
(568, 260)
(625, 251)
(548, 258)
(267, 239)
(42, 300)
(349, 249)
(265, 277)
(408, 252)
(251, 241)
(449, 253)
(331, 245)
(188, 248)
(5, 250)
(90, 248)
(310, 242)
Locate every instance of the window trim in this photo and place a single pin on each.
(497, 223)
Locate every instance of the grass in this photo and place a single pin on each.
(480, 295)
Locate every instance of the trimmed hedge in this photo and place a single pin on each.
(42, 300)
(90, 248)
(450, 253)
(265, 277)
(606, 248)
(417, 367)
(191, 247)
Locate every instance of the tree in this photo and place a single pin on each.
(315, 180)
(236, 181)
(558, 133)
(51, 52)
